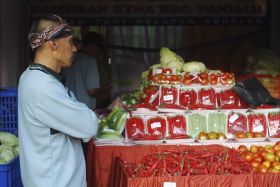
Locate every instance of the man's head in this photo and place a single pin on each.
(51, 38)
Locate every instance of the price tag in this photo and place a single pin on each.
(168, 97)
(258, 128)
(155, 125)
(169, 184)
(158, 71)
(233, 118)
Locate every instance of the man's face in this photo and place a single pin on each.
(65, 51)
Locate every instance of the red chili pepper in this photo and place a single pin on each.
(168, 95)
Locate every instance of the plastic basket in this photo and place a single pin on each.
(270, 82)
(8, 110)
(10, 174)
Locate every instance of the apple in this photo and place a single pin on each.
(270, 150)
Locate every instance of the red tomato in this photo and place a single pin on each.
(262, 169)
(257, 159)
(255, 164)
(241, 149)
(247, 156)
(269, 157)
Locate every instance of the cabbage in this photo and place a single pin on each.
(194, 66)
(170, 59)
(16, 150)
(6, 153)
(8, 139)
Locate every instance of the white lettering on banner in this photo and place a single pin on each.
(155, 125)
(169, 184)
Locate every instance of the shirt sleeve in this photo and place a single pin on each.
(92, 78)
(59, 111)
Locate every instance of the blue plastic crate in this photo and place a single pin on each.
(10, 174)
(8, 110)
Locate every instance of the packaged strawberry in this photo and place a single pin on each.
(177, 127)
(236, 122)
(134, 127)
(156, 126)
(273, 119)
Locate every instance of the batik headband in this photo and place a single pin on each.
(60, 31)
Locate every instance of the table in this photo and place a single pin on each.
(101, 163)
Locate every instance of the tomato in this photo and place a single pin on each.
(241, 149)
(255, 164)
(273, 170)
(277, 153)
(257, 159)
(186, 81)
(213, 81)
(276, 147)
(277, 143)
(204, 81)
(254, 149)
(269, 157)
(270, 150)
(240, 135)
(262, 169)
(266, 164)
(255, 155)
(275, 163)
(276, 166)
(204, 75)
(250, 135)
(262, 154)
(247, 156)
(261, 148)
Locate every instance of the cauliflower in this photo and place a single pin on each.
(170, 59)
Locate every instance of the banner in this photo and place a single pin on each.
(154, 12)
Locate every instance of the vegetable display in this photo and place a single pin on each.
(156, 126)
(189, 163)
(177, 127)
(196, 124)
(9, 148)
(217, 121)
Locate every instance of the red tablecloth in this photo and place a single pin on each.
(102, 165)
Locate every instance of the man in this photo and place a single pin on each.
(51, 120)
(86, 76)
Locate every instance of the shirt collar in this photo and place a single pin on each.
(49, 71)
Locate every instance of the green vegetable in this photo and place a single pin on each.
(8, 139)
(194, 66)
(217, 122)
(196, 124)
(109, 134)
(170, 59)
(6, 153)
